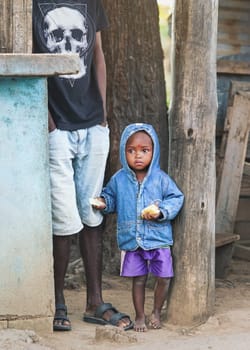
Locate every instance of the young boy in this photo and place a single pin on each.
(145, 199)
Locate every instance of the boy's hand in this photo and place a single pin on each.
(98, 203)
(152, 212)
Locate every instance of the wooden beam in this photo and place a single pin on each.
(192, 120)
(16, 26)
(236, 87)
(246, 170)
(233, 164)
(233, 67)
(20, 65)
(222, 239)
(22, 26)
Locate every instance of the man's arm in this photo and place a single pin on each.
(100, 65)
(51, 123)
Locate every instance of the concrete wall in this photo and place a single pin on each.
(26, 283)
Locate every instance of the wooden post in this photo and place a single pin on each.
(233, 164)
(16, 26)
(192, 159)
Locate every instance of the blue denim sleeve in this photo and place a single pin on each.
(109, 194)
(172, 201)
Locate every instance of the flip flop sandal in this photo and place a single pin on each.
(97, 318)
(61, 326)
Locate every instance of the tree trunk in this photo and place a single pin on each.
(136, 85)
(16, 26)
(192, 159)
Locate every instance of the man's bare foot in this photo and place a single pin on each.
(140, 325)
(154, 321)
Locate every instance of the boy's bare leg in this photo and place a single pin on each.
(138, 294)
(160, 295)
(91, 248)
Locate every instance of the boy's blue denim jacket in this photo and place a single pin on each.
(126, 197)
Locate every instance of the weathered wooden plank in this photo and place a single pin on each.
(5, 26)
(242, 250)
(234, 13)
(229, 188)
(22, 26)
(242, 40)
(237, 86)
(244, 209)
(242, 228)
(16, 26)
(241, 31)
(227, 50)
(229, 4)
(245, 191)
(245, 186)
(224, 238)
(224, 244)
(242, 87)
(246, 170)
(223, 146)
(233, 67)
(233, 27)
(49, 64)
(248, 150)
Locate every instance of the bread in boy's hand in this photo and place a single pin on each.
(95, 202)
(150, 210)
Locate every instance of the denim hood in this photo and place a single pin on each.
(127, 197)
(129, 131)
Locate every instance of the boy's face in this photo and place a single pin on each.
(139, 151)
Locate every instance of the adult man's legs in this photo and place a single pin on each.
(91, 248)
(65, 216)
(90, 241)
(61, 254)
(89, 169)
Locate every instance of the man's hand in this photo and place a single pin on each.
(51, 123)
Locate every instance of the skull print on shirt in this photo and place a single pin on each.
(68, 30)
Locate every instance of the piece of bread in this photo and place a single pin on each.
(96, 202)
(151, 209)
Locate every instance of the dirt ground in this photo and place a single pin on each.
(228, 328)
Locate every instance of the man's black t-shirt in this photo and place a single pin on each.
(69, 26)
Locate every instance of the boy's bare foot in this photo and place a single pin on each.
(155, 322)
(140, 325)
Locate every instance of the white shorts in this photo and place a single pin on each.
(77, 166)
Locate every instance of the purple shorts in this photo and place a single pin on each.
(140, 262)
